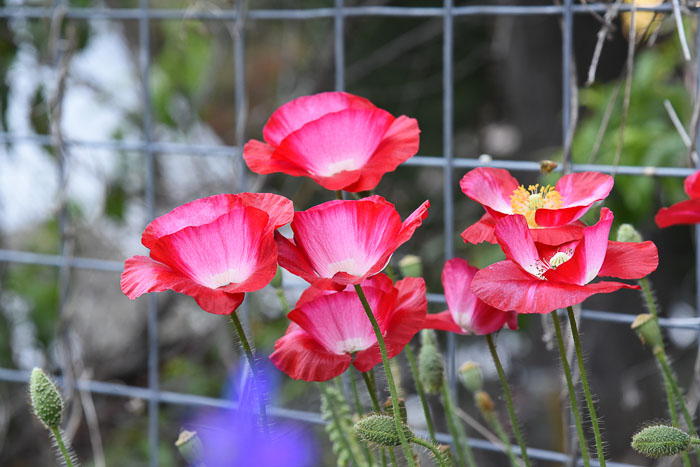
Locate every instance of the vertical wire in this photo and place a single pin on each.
(152, 320)
(567, 43)
(339, 44)
(448, 127)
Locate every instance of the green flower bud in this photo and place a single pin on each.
(411, 266)
(381, 430)
(484, 402)
(627, 233)
(277, 280)
(45, 398)
(428, 337)
(470, 375)
(648, 330)
(431, 368)
(190, 446)
(660, 440)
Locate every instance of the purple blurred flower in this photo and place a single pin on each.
(234, 437)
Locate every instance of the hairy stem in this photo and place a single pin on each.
(389, 377)
(420, 391)
(572, 391)
(336, 419)
(492, 420)
(586, 389)
(438, 456)
(464, 452)
(509, 400)
(61, 446)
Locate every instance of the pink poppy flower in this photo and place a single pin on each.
(685, 212)
(466, 314)
(551, 213)
(328, 328)
(537, 278)
(341, 141)
(341, 242)
(214, 249)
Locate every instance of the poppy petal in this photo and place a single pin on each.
(629, 260)
(481, 231)
(514, 237)
(491, 188)
(558, 235)
(442, 321)
(583, 188)
(692, 185)
(685, 212)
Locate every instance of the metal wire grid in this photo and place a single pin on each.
(239, 15)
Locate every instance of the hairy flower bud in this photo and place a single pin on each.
(381, 430)
(648, 330)
(431, 368)
(484, 402)
(627, 233)
(190, 446)
(470, 375)
(411, 266)
(46, 399)
(660, 440)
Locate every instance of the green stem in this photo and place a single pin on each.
(509, 399)
(572, 391)
(437, 455)
(248, 351)
(649, 298)
(339, 194)
(464, 452)
(661, 357)
(389, 377)
(586, 389)
(492, 420)
(358, 406)
(389, 272)
(369, 382)
(283, 300)
(420, 391)
(674, 413)
(61, 446)
(336, 419)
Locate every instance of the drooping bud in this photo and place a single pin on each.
(627, 233)
(648, 330)
(46, 399)
(484, 402)
(381, 430)
(388, 406)
(277, 280)
(428, 337)
(411, 266)
(431, 367)
(190, 446)
(470, 375)
(660, 440)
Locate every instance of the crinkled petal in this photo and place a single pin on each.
(143, 275)
(237, 250)
(481, 231)
(335, 147)
(505, 286)
(407, 316)
(589, 255)
(297, 113)
(583, 188)
(692, 185)
(491, 188)
(411, 223)
(629, 260)
(262, 159)
(205, 210)
(442, 321)
(399, 144)
(299, 356)
(685, 212)
(558, 235)
(514, 237)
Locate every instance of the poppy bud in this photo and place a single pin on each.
(411, 266)
(648, 330)
(189, 445)
(381, 430)
(627, 233)
(660, 440)
(45, 398)
(470, 375)
(430, 367)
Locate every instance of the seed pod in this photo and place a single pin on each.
(660, 440)
(381, 430)
(46, 399)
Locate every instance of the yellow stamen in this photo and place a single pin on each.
(526, 202)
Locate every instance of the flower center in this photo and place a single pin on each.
(339, 166)
(230, 276)
(527, 202)
(352, 345)
(558, 259)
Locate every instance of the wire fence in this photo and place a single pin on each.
(239, 16)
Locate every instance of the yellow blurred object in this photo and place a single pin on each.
(645, 22)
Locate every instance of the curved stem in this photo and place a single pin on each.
(572, 391)
(283, 300)
(509, 399)
(437, 455)
(61, 446)
(498, 428)
(649, 298)
(356, 396)
(420, 391)
(389, 377)
(586, 389)
(372, 392)
(248, 351)
(464, 452)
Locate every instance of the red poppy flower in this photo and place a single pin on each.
(685, 212)
(551, 213)
(466, 314)
(214, 249)
(537, 278)
(345, 241)
(327, 328)
(341, 141)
